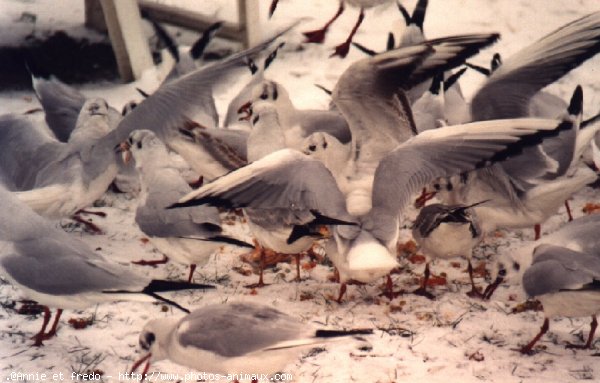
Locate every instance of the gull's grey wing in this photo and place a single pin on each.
(581, 234)
(557, 268)
(61, 104)
(63, 265)
(443, 152)
(155, 220)
(237, 329)
(554, 156)
(369, 93)
(331, 122)
(175, 102)
(47, 259)
(24, 150)
(286, 179)
(509, 90)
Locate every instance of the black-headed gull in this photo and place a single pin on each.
(528, 188)
(386, 167)
(189, 236)
(443, 231)
(58, 270)
(566, 282)
(235, 338)
(275, 227)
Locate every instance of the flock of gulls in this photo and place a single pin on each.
(398, 131)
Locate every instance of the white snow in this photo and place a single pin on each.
(452, 339)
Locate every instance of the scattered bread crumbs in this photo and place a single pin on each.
(305, 296)
(417, 259)
(309, 265)
(241, 270)
(435, 280)
(533, 305)
(591, 208)
(80, 323)
(408, 247)
(477, 356)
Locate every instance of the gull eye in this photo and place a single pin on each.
(130, 140)
(324, 145)
(264, 96)
(437, 187)
(312, 148)
(147, 340)
(139, 145)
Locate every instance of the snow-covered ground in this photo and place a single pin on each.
(451, 339)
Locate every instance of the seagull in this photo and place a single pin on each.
(59, 270)
(185, 62)
(513, 88)
(275, 227)
(61, 103)
(445, 232)
(388, 162)
(528, 188)
(65, 178)
(299, 123)
(566, 282)
(234, 339)
(240, 103)
(318, 36)
(60, 178)
(190, 236)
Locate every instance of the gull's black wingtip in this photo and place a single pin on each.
(576, 104)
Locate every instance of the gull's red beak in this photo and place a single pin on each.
(246, 111)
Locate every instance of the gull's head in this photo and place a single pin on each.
(317, 145)
(94, 107)
(272, 92)
(128, 108)
(154, 337)
(145, 147)
(92, 123)
(327, 149)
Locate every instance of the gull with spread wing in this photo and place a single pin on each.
(386, 167)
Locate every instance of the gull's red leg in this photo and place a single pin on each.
(342, 49)
(39, 337)
(318, 35)
(529, 346)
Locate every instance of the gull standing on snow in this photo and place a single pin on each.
(234, 338)
(565, 280)
(445, 232)
(58, 270)
(190, 236)
(385, 171)
(276, 227)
